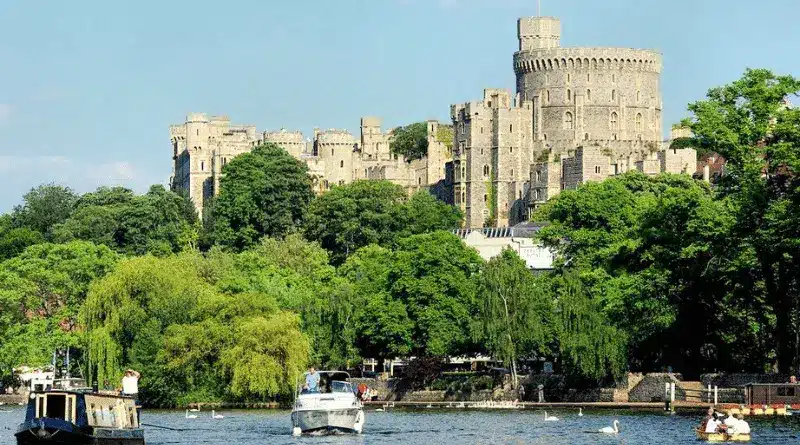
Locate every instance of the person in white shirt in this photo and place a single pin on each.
(130, 383)
(712, 425)
(742, 427)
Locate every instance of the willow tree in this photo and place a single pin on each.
(514, 312)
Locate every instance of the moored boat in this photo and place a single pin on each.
(78, 417)
(332, 408)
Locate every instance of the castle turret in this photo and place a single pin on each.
(538, 33)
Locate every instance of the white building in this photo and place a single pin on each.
(490, 242)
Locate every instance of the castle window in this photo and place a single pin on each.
(569, 77)
(520, 194)
(613, 77)
(341, 164)
(638, 96)
(614, 136)
(511, 128)
(327, 185)
(613, 94)
(586, 137)
(485, 198)
(588, 95)
(489, 104)
(463, 172)
(485, 171)
(569, 95)
(544, 136)
(547, 96)
(512, 173)
(419, 181)
(365, 172)
(639, 122)
(613, 120)
(202, 166)
(331, 152)
(463, 196)
(538, 176)
(198, 131)
(341, 182)
(481, 130)
(597, 169)
(568, 123)
(588, 77)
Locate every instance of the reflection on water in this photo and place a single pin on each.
(437, 427)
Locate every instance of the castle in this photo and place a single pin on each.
(202, 145)
(579, 114)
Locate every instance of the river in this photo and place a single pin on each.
(437, 427)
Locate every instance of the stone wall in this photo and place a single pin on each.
(651, 388)
(735, 380)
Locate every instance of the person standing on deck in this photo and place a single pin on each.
(312, 380)
(130, 383)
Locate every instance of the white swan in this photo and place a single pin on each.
(192, 416)
(214, 415)
(550, 418)
(580, 412)
(610, 430)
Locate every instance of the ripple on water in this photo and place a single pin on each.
(438, 427)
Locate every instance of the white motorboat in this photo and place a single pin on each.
(334, 407)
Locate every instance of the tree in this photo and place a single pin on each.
(159, 222)
(373, 212)
(43, 207)
(410, 141)
(14, 241)
(355, 215)
(264, 193)
(749, 123)
(41, 292)
(434, 276)
(514, 313)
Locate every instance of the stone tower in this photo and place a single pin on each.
(587, 94)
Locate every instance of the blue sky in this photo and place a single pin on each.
(88, 88)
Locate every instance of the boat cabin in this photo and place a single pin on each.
(772, 393)
(84, 409)
(331, 382)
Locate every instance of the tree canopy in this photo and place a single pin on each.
(263, 193)
(411, 141)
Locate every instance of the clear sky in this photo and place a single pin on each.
(88, 88)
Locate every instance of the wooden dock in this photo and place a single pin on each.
(688, 407)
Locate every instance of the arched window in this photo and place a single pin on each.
(613, 94)
(614, 120)
(341, 164)
(569, 95)
(588, 95)
(639, 122)
(569, 77)
(568, 123)
(485, 171)
(538, 176)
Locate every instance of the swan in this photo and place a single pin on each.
(550, 418)
(195, 410)
(610, 430)
(580, 412)
(192, 416)
(214, 415)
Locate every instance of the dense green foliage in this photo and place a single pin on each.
(264, 193)
(410, 141)
(651, 272)
(373, 212)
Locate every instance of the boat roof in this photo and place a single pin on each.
(83, 391)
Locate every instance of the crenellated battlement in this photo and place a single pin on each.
(334, 136)
(587, 59)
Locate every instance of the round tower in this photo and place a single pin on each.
(579, 94)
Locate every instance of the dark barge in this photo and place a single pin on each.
(77, 417)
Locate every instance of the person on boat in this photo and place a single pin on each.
(312, 381)
(793, 380)
(712, 425)
(742, 427)
(709, 415)
(130, 383)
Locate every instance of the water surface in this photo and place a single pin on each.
(437, 427)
